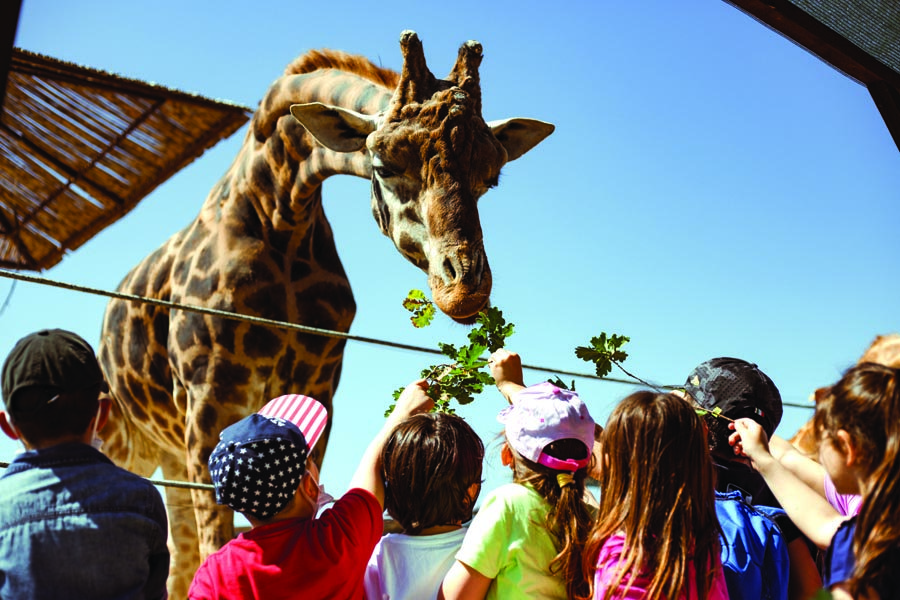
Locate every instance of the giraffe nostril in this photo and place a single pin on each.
(449, 270)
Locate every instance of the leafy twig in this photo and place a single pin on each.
(716, 412)
(603, 352)
(636, 378)
(463, 377)
(422, 308)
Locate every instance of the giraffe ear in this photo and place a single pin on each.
(335, 128)
(519, 136)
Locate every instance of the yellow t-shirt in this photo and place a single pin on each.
(508, 542)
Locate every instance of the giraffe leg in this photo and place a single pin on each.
(185, 555)
(126, 445)
(213, 523)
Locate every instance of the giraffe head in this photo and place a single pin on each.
(432, 156)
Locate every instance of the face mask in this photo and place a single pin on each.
(324, 498)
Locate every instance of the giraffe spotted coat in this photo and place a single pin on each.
(261, 245)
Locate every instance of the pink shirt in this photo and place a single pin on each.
(610, 557)
(846, 504)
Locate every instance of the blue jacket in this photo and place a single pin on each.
(754, 550)
(73, 525)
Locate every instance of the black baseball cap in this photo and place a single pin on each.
(738, 388)
(52, 358)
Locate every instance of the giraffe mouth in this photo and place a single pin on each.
(467, 320)
(460, 302)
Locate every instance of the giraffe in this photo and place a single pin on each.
(885, 350)
(262, 245)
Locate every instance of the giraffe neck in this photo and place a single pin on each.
(280, 168)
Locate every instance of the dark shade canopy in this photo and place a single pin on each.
(860, 38)
(79, 148)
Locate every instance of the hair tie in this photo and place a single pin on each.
(564, 479)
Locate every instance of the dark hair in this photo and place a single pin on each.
(568, 520)
(657, 487)
(429, 461)
(719, 432)
(39, 420)
(866, 404)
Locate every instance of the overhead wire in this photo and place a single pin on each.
(310, 330)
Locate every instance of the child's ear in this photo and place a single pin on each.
(103, 412)
(506, 456)
(308, 486)
(473, 492)
(7, 426)
(847, 447)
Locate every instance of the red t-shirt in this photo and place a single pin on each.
(297, 558)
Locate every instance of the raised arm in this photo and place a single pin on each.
(808, 470)
(506, 369)
(413, 400)
(809, 510)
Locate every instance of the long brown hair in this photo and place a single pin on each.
(569, 520)
(657, 487)
(866, 404)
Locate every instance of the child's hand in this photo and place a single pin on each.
(413, 400)
(506, 369)
(749, 440)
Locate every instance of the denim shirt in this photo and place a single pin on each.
(74, 525)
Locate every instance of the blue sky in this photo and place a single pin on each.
(711, 188)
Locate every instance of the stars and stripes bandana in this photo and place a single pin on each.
(258, 462)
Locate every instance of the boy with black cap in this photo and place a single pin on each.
(72, 524)
(736, 389)
(262, 468)
(764, 555)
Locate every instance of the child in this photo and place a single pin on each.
(858, 428)
(656, 534)
(431, 466)
(72, 524)
(526, 540)
(262, 468)
(760, 559)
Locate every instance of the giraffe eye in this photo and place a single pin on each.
(384, 172)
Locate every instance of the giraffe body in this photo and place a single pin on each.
(261, 245)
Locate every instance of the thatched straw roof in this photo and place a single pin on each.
(79, 148)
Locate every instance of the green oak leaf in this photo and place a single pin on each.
(421, 307)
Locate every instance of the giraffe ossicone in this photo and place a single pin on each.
(261, 245)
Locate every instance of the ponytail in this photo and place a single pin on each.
(569, 520)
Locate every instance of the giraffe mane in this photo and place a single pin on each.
(352, 63)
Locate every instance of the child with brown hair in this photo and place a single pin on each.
(526, 540)
(858, 428)
(656, 535)
(431, 467)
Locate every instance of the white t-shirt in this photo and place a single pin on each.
(411, 566)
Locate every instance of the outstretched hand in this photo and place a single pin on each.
(750, 440)
(413, 400)
(506, 369)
